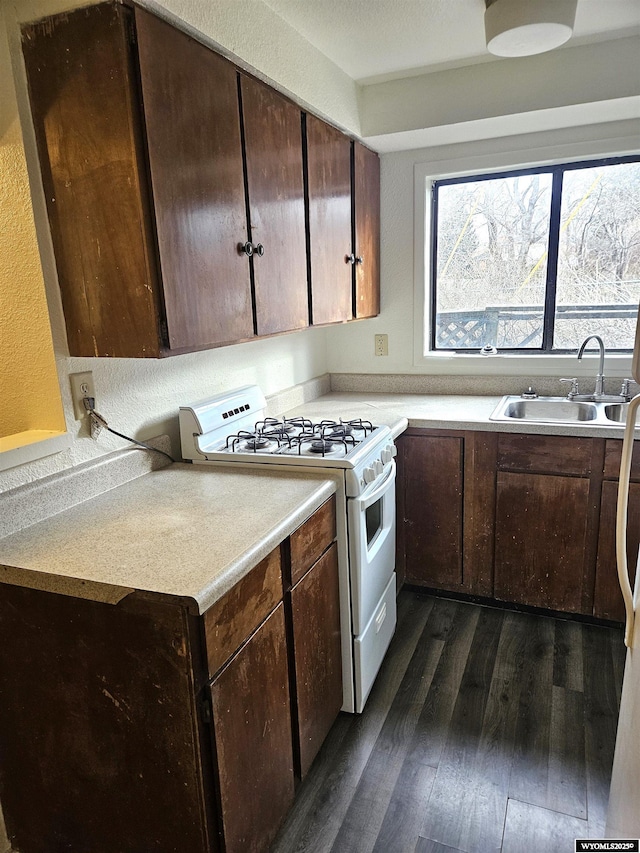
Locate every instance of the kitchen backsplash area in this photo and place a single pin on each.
(33, 502)
(409, 383)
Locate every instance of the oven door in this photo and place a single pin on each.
(371, 521)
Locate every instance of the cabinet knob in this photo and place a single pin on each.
(359, 260)
(245, 249)
(349, 259)
(259, 249)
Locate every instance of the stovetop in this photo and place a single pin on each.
(232, 427)
(296, 437)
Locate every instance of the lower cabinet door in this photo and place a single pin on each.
(315, 608)
(541, 529)
(433, 504)
(607, 600)
(252, 731)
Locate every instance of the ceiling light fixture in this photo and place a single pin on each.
(526, 27)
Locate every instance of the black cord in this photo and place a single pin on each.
(139, 443)
(97, 418)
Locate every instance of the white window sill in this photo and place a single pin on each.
(474, 364)
(30, 445)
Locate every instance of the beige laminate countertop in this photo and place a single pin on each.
(189, 531)
(192, 531)
(436, 411)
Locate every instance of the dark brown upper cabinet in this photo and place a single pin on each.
(366, 230)
(273, 145)
(195, 159)
(176, 196)
(82, 84)
(146, 205)
(330, 238)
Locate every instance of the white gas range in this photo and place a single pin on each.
(231, 428)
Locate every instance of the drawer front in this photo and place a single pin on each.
(370, 647)
(553, 454)
(238, 613)
(312, 539)
(613, 455)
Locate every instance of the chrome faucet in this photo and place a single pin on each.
(599, 390)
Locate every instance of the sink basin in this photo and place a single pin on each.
(550, 409)
(616, 412)
(559, 410)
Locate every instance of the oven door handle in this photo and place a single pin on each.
(368, 498)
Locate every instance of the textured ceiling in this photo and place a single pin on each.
(378, 39)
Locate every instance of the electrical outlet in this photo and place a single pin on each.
(382, 345)
(81, 386)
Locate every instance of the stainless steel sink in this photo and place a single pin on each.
(616, 412)
(552, 409)
(559, 410)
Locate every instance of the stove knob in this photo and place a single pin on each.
(393, 450)
(369, 475)
(386, 456)
(377, 467)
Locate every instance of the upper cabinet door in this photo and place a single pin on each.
(366, 183)
(273, 145)
(81, 74)
(190, 98)
(329, 183)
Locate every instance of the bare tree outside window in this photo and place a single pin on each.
(538, 260)
(599, 252)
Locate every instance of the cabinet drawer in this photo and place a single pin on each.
(312, 538)
(238, 613)
(545, 454)
(612, 456)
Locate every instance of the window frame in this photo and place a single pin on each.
(557, 171)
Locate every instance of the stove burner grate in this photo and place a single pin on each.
(298, 434)
(258, 442)
(253, 441)
(274, 427)
(320, 445)
(358, 424)
(299, 422)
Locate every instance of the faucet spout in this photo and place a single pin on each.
(599, 390)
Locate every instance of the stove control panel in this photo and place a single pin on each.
(388, 453)
(376, 467)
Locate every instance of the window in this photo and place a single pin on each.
(536, 260)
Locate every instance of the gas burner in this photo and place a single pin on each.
(277, 432)
(298, 423)
(338, 431)
(247, 441)
(258, 442)
(321, 445)
(358, 424)
(273, 426)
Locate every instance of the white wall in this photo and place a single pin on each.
(507, 96)
(351, 349)
(140, 397)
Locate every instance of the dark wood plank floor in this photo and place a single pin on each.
(486, 730)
